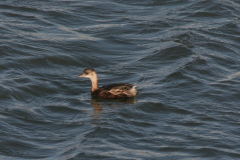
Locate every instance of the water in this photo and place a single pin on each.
(183, 55)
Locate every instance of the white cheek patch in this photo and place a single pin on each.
(87, 76)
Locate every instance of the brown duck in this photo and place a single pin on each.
(116, 90)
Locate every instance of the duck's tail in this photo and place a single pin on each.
(132, 92)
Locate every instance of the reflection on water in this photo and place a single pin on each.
(97, 106)
(98, 103)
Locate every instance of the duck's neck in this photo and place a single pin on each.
(94, 80)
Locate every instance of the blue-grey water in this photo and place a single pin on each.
(183, 55)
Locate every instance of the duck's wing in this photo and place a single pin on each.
(120, 90)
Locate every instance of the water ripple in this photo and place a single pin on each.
(182, 55)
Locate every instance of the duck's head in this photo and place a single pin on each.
(88, 73)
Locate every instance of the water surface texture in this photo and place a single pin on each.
(184, 56)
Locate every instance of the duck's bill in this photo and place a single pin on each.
(81, 76)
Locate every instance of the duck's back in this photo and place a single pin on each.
(116, 90)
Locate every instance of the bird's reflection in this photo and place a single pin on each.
(99, 103)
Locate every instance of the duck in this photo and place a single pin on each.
(113, 91)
